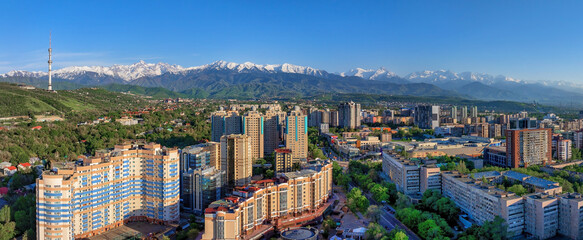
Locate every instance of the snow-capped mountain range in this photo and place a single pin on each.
(445, 76)
(141, 69)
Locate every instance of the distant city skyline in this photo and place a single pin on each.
(528, 40)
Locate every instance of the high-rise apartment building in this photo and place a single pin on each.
(464, 113)
(495, 131)
(200, 187)
(225, 123)
(296, 134)
(578, 139)
(236, 159)
(132, 182)
(454, 112)
(283, 160)
(253, 127)
(292, 198)
(527, 145)
(426, 116)
(474, 112)
(349, 115)
(273, 124)
(562, 148)
(334, 119)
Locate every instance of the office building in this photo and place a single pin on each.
(291, 199)
(426, 116)
(283, 160)
(132, 182)
(525, 147)
(200, 187)
(296, 134)
(496, 156)
(253, 127)
(200, 155)
(349, 115)
(236, 159)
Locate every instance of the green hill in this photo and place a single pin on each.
(15, 101)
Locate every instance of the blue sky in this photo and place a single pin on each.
(530, 40)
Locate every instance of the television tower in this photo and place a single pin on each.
(50, 62)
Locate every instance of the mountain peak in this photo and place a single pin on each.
(370, 74)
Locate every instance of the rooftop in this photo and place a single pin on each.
(489, 174)
(516, 175)
(299, 174)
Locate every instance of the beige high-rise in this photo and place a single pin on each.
(253, 127)
(236, 159)
(296, 134)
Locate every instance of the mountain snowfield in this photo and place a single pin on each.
(141, 69)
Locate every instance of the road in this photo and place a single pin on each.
(388, 221)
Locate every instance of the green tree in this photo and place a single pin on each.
(518, 189)
(374, 231)
(429, 230)
(269, 173)
(7, 230)
(400, 235)
(356, 201)
(5, 214)
(495, 230)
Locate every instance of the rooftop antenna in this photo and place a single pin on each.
(50, 63)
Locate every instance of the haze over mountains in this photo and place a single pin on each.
(249, 80)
